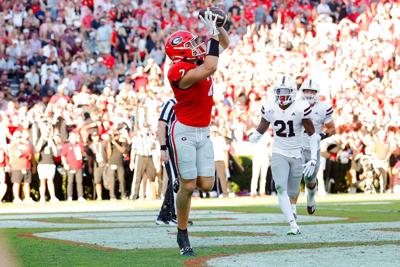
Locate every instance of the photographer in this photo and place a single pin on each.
(116, 148)
(45, 151)
(98, 149)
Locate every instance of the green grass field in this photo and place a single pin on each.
(34, 251)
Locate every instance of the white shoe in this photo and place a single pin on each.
(54, 200)
(69, 199)
(17, 201)
(42, 200)
(28, 200)
(99, 199)
(81, 199)
(294, 230)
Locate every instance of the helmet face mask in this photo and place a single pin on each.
(285, 91)
(284, 96)
(310, 91)
(311, 98)
(183, 45)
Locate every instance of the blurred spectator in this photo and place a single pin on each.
(220, 157)
(72, 159)
(117, 148)
(20, 163)
(261, 160)
(141, 160)
(98, 150)
(46, 168)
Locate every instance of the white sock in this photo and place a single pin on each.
(294, 208)
(286, 208)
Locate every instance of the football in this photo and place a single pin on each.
(222, 17)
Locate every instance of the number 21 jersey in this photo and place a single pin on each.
(287, 125)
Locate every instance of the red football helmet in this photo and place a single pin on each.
(182, 45)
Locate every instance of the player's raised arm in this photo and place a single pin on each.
(223, 38)
(212, 53)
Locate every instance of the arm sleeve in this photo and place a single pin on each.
(265, 114)
(328, 114)
(307, 112)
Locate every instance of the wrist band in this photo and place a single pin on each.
(163, 147)
(323, 135)
(213, 47)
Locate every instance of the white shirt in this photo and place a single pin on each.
(33, 78)
(321, 114)
(82, 67)
(220, 148)
(287, 125)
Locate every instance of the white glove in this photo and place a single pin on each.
(255, 137)
(210, 23)
(309, 168)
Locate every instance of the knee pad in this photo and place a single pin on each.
(309, 180)
(293, 193)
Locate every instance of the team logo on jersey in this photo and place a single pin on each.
(177, 40)
(184, 139)
(293, 114)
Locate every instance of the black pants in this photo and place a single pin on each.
(121, 178)
(77, 175)
(167, 211)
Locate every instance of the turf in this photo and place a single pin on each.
(39, 252)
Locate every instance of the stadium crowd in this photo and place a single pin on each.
(82, 85)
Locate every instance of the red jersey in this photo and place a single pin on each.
(193, 107)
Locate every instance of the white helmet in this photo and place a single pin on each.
(310, 84)
(285, 90)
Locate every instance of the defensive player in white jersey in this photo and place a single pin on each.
(288, 117)
(321, 116)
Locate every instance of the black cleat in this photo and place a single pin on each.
(311, 210)
(188, 251)
(184, 245)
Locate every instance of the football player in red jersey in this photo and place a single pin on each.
(193, 64)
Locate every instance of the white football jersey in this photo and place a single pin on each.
(320, 115)
(287, 125)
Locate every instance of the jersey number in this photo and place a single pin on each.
(282, 130)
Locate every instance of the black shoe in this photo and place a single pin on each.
(162, 222)
(188, 251)
(311, 210)
(184, 245)
(190, 223)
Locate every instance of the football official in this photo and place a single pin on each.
(167, 213)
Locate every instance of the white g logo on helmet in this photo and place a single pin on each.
(285, 90)
(312, 85)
